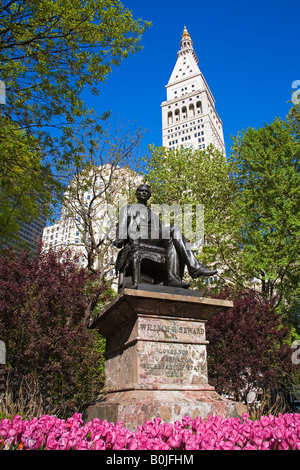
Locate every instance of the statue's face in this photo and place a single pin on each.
(143, 194)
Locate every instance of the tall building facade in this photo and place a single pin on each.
(29, 235)
(89, 216)
(189, 117)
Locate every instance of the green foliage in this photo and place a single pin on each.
(108, 172)
(187, 176)
(23, 179)
(50, 52)
(266, 173)
(251, 206)
(184, 176)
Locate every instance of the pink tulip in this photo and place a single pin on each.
(283, 446)
(227, 445)
(258, 438)
(3, 433)
(72, 443)
(265, 445)
(265, 420)
(268, 433)
(249, 446)
(134, 444)
(186, 421)
(174, 441)
(291, 439)
(279, 433)
(99, 445)
(157, 420)
(154, 430)
(8, 443)
(246, 430)
(167, 430)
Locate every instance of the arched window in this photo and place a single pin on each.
(191, 110)
(177, 115)
(184, 112)
(199, 107)
(170, 118)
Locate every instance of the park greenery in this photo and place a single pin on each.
(251, 204)
(50, 52)
(52, 359)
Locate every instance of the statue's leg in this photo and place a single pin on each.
(136, 269)
(174, 268)
(194, 267)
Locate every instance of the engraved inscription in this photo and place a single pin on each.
(181, 331)
(172, 361)
(172, 329)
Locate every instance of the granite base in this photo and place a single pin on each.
(156, 361)
(134, 407)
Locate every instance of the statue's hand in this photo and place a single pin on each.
(118, 243)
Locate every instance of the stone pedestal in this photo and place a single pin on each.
(156, 363)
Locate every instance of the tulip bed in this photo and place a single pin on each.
(215, 433)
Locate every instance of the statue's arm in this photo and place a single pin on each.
(122, 228)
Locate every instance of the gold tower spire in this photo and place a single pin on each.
(185, 34)
(186, 42)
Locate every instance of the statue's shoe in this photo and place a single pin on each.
(202, 271)
(177, 283)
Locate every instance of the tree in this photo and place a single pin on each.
(43, 306)
(104, 179)
(187, 177)
(265, 168)
(50, 52)
(293, 120)
(251, 206)
(24, 180)
(249, 347)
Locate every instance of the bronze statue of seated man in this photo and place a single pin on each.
(139, 222)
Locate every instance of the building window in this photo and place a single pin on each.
(192, 110)
(199, 107)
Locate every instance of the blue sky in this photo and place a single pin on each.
(248, 53)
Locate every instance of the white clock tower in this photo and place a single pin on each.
(189, 117)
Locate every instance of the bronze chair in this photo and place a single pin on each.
(141, 262)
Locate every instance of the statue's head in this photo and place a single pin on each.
(143, 192)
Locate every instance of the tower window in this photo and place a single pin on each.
(191, 110)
